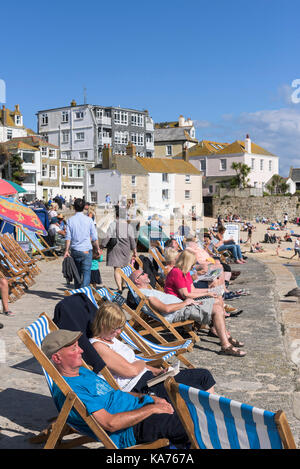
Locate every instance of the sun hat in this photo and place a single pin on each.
(57, 340)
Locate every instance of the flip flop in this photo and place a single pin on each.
(8, 313)
(231, 350)
(233, 315)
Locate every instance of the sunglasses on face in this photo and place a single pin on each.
(143, 273)
(120, 328)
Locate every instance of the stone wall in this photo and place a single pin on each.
(272, 207)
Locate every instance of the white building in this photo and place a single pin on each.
(215, 160)
(11, 124)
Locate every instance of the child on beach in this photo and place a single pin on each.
(95, 273)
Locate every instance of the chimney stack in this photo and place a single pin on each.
(248, 144)
(131, 150)
(185, 153)
(107, 159)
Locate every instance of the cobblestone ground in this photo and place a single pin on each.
(264, 378)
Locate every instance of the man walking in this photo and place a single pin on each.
(81, 236)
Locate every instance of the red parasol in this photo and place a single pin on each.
(16, 213)
(6, 188)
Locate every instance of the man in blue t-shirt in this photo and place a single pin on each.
(128, 418)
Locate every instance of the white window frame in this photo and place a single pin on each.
(270, 165)
(252, 163)
(187, 195)
(120, 117)
(63, 171)
(261, 165)
(79, 115)
(165, 177)
(137, 120)
(92, 179)
(133, 180)
(169, 150)
(223, 164)
(9, 134)
(188, 179)
(83, 155)
(94, 197)
(79, 136)
(65, 136)
(18, 119)
(44, 151)
(52, 153)
(165, 194)
(65, 116)
(44, 119)
(52, 174)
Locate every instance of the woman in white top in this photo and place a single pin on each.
(296, 248)
(130, 373)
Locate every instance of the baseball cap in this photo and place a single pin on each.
(54, 220)
(56, 340)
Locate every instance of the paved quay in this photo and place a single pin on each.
(267, 377)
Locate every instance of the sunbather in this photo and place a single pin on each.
(131, 373)
(205, 312)
(128, 418)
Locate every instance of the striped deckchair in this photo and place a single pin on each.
(32, 336)
(90, 292)
(156, 320)
(216, 422)
(38, 245)
(147, 347)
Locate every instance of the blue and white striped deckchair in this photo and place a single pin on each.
(35, 242)
(32, 336)
(179, 240)
(216, 422)
(144, 308)
(88, 291)
(129, 334)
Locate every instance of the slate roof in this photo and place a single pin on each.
(172, 134)
(295, 174)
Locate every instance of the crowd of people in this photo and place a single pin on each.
(193, 286)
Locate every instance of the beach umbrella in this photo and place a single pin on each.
(6, 188)
(18, 188)
(16, 213)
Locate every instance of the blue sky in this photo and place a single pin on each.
(227, 64)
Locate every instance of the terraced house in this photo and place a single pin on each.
(41, 165)
(152, 183)
(215, 160)
(82, 131)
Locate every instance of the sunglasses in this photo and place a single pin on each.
(120, 328)
(143, 273)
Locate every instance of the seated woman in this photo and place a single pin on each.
(229, 245)
(171, 255)
(131, 373)
(180, 283)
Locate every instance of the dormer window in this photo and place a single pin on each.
(18, 120)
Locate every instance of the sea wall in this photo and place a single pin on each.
(249, 208)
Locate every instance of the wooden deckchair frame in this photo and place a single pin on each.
(43, 242)
(60, 428)
(181, 409)
(141, 344)
(161, 324)
(17, 253)
(11, 269)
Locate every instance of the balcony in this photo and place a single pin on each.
(104, 140)
(149, 124)
(103, 120)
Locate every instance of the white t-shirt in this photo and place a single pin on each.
(126, 384)
(297, 244)
(165, 298)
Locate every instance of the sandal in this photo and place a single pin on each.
(235, 352)
(235, 342)
(8, 313)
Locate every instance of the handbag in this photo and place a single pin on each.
(113, 241)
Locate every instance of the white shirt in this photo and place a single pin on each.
(126, 384)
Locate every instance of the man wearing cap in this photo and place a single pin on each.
(81, 236)
(128, 418)
(55, 227)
